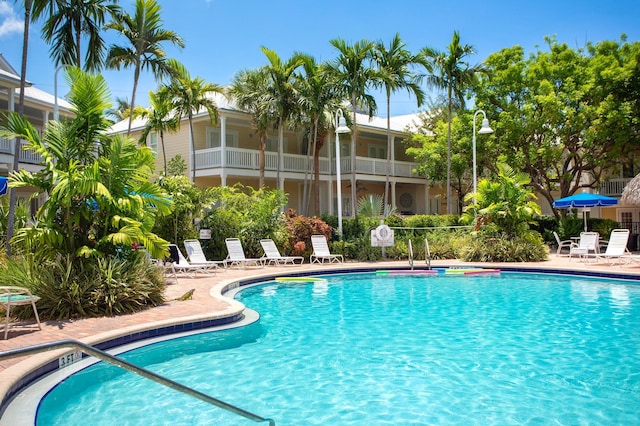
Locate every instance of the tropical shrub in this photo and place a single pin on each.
(299, 230)
(71, 289)
(502, 211)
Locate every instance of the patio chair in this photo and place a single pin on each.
(588, 243)
(183, 266)
(236, 255)
(196, 255)
(272, 254)
(562, 243)
(617, 248)
(17, 296)
(321, 251)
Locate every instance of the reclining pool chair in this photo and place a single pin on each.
(196, 255)
(272, 254)
(236, 255)
(321, 251)
(17, 296)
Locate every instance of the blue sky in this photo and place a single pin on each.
(223, 36)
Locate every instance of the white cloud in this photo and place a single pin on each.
(10, 23)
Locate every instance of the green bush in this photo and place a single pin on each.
(528, 247)
(87, 287)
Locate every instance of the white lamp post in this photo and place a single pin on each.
(484, 130)
(341, 127)
(56, 115)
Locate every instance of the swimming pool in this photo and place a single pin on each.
(508, 349)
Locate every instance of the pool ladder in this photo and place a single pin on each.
(427, 254)
(119, 362)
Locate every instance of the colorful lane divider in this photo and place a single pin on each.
(446, 271)
(301, 279)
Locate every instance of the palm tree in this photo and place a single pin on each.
(318, 101)
(159, 119)
(122, 110)
(144, 35)
(354, 76)
(98, 196)
(68, 22)
(394, 67)
(13, 195)
(250, 90)
(451, 73)
(281, 78)
(189, 96)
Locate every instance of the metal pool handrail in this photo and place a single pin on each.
(119, 362)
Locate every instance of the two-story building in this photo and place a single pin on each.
(227, 153)
(39, 107)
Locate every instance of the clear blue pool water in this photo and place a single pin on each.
(391, 350)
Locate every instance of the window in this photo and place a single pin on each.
(213, 138)
(272, 143)
(377, 151)
(153, 142)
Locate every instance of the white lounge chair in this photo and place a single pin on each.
(272, 254)
(183, 266)
(236, 255)
(562, 243)
(17, 296)
(617, 248)
(196, 255)
(589, 242)
(321, 251)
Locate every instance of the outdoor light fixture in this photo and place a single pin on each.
(484, 130)
(56, 115)
(341, 127)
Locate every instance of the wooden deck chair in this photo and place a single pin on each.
(17, 296)
(236, 255)
(272, 254)
(321, 251)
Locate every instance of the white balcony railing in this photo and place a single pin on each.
(6, 147)
(240, 158)
(613, 187)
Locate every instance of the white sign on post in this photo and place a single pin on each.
(382, 236)
(205, 234)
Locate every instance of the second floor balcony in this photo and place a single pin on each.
(240, 158)
(613, 187)
(30, 157)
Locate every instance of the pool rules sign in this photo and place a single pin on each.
(382, 236)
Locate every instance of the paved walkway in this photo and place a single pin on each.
(207, 303)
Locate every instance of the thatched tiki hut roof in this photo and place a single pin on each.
(631, 193)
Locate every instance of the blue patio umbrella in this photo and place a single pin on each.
(584, 200)
(3, 185)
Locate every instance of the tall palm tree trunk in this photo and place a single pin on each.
(354, 192)
(261, 158)
(193, 149)
(136, 77)
(386, 183)
(17, 147)
(164, 154)
(449, 156)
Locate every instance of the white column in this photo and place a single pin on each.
(393, 194)
(426, 199)
(223, 149)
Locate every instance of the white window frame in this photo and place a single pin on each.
(214, 140)
(152, 142)
(272, 144)
(375, 150)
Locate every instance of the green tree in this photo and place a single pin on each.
(452, 73)
(281, 80)
(159, 119)
(430, 148)
(98, 194)
(504, 206)
(189, 95)
(250, 90)
(318, 101)
(144, 37)
(189, 201)
(354, 76)
(395, 64)
(565, 115)
(68, 21)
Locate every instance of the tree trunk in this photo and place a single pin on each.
(17, 147)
